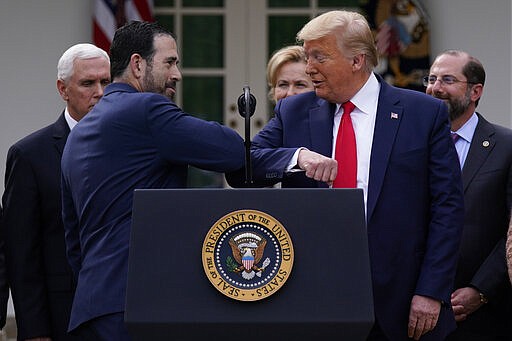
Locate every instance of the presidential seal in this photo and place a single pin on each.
(247, 255)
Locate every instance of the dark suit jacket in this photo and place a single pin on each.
(487, 180)
(129, 140)
(415, 203)
(4, 288)
(39, 274)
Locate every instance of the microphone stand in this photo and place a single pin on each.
(246, 108)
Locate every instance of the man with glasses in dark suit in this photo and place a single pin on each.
(482, 295)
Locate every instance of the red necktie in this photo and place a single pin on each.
(346, 153)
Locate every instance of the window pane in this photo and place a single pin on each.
(203, 97)
(203, 3)
(167, 21)
(160, 3)
(203, 41)
(288, 3)
(339, 3)
(282, 31)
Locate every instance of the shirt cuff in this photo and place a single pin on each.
(293, 165)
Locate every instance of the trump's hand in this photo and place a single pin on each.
(423, 315)
(317, 166)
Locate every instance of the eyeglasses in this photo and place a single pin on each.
(448, 80)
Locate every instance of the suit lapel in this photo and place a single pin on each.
(321, 120)
(387, 121)
(60, 133)
(481, 146)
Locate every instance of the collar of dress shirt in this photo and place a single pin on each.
(467, 131)
(366, 99)
(70, 120)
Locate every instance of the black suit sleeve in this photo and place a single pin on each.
(4, 288)
(23, 247)
(492, 276)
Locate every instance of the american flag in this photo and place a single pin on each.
(112, 14)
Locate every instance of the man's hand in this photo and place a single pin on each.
(465, 301)
(423, 315)
(317, 166)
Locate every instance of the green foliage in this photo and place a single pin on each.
(231, 264)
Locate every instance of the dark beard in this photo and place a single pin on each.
(151, 86)
(457, 107)
(149, 82)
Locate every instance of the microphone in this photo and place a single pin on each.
(246, 102)
(246, 107)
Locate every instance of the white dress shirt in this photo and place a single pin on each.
(71, 121)
(363, 120)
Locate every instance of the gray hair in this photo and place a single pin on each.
(79, 51)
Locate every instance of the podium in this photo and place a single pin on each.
(328, 292)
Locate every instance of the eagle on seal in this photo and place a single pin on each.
(248, 249)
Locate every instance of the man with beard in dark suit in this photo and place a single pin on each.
(482, 296)
(135, 137)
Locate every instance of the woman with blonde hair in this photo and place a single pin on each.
(286, 73)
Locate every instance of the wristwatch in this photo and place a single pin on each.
(483, 299)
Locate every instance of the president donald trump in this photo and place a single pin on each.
(355, 130)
